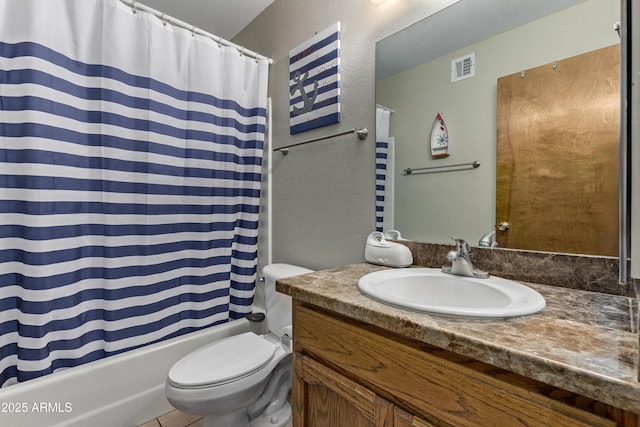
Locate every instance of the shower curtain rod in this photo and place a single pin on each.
(166, 19)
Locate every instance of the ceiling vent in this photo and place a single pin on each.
(463, 67)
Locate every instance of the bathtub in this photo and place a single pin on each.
(119, 391)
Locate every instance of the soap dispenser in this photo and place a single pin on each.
(391, 254)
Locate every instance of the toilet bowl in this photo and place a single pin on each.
(243, 380)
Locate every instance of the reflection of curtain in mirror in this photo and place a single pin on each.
(389, 202)
(383, 116)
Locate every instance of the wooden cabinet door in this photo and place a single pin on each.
(404, 419)
(443, 387)
(324, 398)
(557, 156)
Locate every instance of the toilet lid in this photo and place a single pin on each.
(222, 361)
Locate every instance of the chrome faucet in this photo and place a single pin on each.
(488, 240)
(461, 261)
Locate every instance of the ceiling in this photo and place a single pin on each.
(223, 18)
(227, 18)
(457, 26)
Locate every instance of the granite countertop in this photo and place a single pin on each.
(584, 342)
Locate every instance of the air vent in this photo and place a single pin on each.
(463, 67)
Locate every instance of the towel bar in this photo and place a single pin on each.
(362, 135)
(475, 164)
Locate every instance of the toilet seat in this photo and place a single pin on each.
(222, 362)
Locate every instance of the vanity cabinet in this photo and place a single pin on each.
(330, 399)
(347, 373)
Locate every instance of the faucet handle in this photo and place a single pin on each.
(462, 246)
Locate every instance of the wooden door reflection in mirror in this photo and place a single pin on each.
(557, 154)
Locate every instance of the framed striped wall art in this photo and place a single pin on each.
(314, 81)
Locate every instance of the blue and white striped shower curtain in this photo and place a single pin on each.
(130, 169)
(383, 118)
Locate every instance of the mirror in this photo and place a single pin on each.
(413, 81)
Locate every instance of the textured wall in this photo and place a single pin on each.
(324, 193)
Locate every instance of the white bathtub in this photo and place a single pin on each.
(119, 391)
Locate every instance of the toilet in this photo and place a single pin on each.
(243, 380)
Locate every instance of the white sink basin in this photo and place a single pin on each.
(429, 290)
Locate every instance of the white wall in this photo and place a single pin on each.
(323, 193)
(463, 203)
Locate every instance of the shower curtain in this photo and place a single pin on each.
(383, 117)
(130, 162)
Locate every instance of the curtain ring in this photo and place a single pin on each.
(134, 7)
(193, 31)
(242, 49)
(164, 19)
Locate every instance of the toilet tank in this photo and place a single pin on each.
(277, 305)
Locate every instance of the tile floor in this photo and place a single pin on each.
(178, 419)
